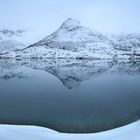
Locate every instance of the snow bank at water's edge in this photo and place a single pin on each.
(13, 132)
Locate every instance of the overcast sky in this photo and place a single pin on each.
(48, 15)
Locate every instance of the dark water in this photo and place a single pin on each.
(70, 96)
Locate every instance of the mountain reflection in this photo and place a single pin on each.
(70, 72)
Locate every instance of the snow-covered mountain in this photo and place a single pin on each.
(71, 35)
(10, 34)
(72, 40)
(10, 45)
(9, 40)
(13, 40)
(126, 42)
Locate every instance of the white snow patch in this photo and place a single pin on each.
(11, 132)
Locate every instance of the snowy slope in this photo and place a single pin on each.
(9, 40)
(71, 31)
(9, 132)
(126, 42)
(6, 34)
(10, 45)
(13, 40)
(74, 37)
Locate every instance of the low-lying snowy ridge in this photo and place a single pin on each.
(6, 34)
(13, 40)
(126, 42)
(10, 45)
(9, 40)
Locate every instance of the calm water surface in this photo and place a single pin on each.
(70, 96)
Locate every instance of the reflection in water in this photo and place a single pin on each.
(11, 75)
(70, 72)
(101, 94)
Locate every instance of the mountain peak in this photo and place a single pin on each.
(70, 31)
(70, 24)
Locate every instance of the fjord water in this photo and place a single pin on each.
(73, 96)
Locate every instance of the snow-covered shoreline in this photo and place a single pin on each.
(13, 132)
